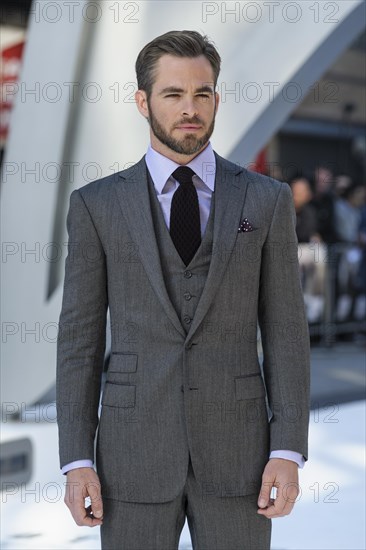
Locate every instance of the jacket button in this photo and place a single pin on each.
(187, 296)
(187, 319)
(187, 274)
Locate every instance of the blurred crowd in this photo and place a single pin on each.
(331, 231)
(329, 209)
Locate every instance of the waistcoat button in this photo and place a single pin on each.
(187, 296)
(187, 274)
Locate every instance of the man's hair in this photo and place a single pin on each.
(180, 44)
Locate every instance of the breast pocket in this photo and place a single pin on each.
(248, 246)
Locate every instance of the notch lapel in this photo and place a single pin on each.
(133, 197)
(230, 193)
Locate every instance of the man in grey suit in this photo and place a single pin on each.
(189, 252)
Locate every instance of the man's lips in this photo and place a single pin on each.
(189, 127)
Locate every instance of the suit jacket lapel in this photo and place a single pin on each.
(133, 197)
(230, 192)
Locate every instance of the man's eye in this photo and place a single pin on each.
(204, 95)
(172, 95)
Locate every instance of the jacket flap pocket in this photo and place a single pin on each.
(123, 362)
(249, 387)
(119, 395)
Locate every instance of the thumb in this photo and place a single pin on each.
(264, 494)
(98, 514)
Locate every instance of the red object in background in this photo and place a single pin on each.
(260, 162)
(11, 58)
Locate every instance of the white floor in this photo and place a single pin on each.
(329, 514)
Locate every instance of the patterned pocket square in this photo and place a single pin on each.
(245, 226)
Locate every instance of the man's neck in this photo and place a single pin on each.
(172, 155)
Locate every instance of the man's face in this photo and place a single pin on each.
(182, 106)
(323, 179)
(301, 192)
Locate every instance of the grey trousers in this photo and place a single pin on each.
(215, 523)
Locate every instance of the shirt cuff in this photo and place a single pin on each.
(289, 455)
(76, 464)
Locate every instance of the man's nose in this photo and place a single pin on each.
(189, 107)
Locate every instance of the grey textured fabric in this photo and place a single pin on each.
(184, 292)
(148, 425)
(214, 523)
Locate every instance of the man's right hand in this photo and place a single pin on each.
(82, 483)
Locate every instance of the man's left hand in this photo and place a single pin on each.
(283, 475)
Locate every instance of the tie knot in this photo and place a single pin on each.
(183, 174)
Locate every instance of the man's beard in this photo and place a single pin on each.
(187, 145)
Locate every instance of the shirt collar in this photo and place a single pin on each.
(161, 167)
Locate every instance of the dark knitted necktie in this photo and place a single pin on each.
(185, 226)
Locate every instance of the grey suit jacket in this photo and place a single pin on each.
(151, 417)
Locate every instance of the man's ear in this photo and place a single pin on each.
(141, 102)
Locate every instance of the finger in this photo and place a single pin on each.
(94, 492)
(264, 494)
(82, 517)
(271, 513)
(74, 499)
(264, 511)
(85, 518)
(277, 508)
(284, 502)
(287, 509)
(89, 514)
(286, 498)
(88, 521)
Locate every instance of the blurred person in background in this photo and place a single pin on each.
(323, 202)
(348, 222)
(347, 213)
(312, 251)
(342, 182)
(362, 241)
(306, 219)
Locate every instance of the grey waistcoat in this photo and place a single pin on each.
(184, 283)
